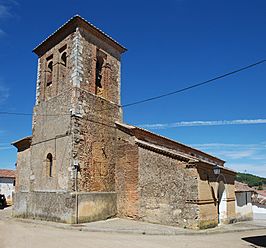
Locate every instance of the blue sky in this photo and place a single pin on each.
(171, 44)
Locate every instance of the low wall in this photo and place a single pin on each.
(243, 206)
(62, 206)
(259, 211)
(96, 206)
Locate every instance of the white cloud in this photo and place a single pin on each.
(226, 145)
(4, 11)
(202, 123)
(5, 146)
(253, 168)
(240, 157)
(236, 154)
(235, 151)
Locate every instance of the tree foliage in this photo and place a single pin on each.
(250, 179)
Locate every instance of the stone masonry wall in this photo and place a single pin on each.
(208, 196)
(52, 116)
(51, 134)
(111, 67)
(23, 170)
(61, 75)
(53, 206)
(94, 116)
(75, 123)
(62, 206)
(94, 142)
(165, 186)
(127, 169)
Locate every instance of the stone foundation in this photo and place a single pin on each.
(61, 206)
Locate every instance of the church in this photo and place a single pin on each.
(82, 163)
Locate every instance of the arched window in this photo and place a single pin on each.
(98, 73)
(49, 73)
(99, 66)
(50, 66)
(64, 59)
(49, 160)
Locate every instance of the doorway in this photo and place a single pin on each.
(222, 203)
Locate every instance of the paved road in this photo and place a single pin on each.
(20, 235)
(14, 233)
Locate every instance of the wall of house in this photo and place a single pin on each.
(94, 142)
(208, 197)
(243, 206)
(94, 206)
(51, 135)
(110, 72)
(61, 75)
(61, 178)
(127, 176)
(51, 127)
(230, 183)
(73, 91)
(61, 206)
(167, 190)
(7, 188)
(94, 132)
(259, 211)
(48, 205)
(74, 123)
(23, 170)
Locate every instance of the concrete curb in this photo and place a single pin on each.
(142, 231)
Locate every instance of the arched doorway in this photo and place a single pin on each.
(222, 203)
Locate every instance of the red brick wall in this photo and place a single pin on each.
(127, 178)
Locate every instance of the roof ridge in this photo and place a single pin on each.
(77, 16)
(171, 140)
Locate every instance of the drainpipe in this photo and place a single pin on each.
(76, 166)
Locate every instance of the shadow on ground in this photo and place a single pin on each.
(3, 207)
(256, 240)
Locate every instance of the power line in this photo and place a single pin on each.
(195, 85)
(28, 114)
(159, 96)
(191, 86)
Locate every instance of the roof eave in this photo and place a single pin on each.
(22, 143)
(69, 27)
(136, 131)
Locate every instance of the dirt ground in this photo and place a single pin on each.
(14, 233)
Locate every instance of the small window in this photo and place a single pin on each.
(49, 160)
(64, 59)
(98, 76)
(101, 58)
(50, 66)
(49, 73)
(99, 66)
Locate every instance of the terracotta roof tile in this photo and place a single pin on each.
(79, 19)
(261, 192)
(7, 173)
(143, 134)
(242, 187)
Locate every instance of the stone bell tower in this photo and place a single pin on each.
(73, 131)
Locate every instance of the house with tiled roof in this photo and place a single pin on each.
(243, 201)
(7, 183)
